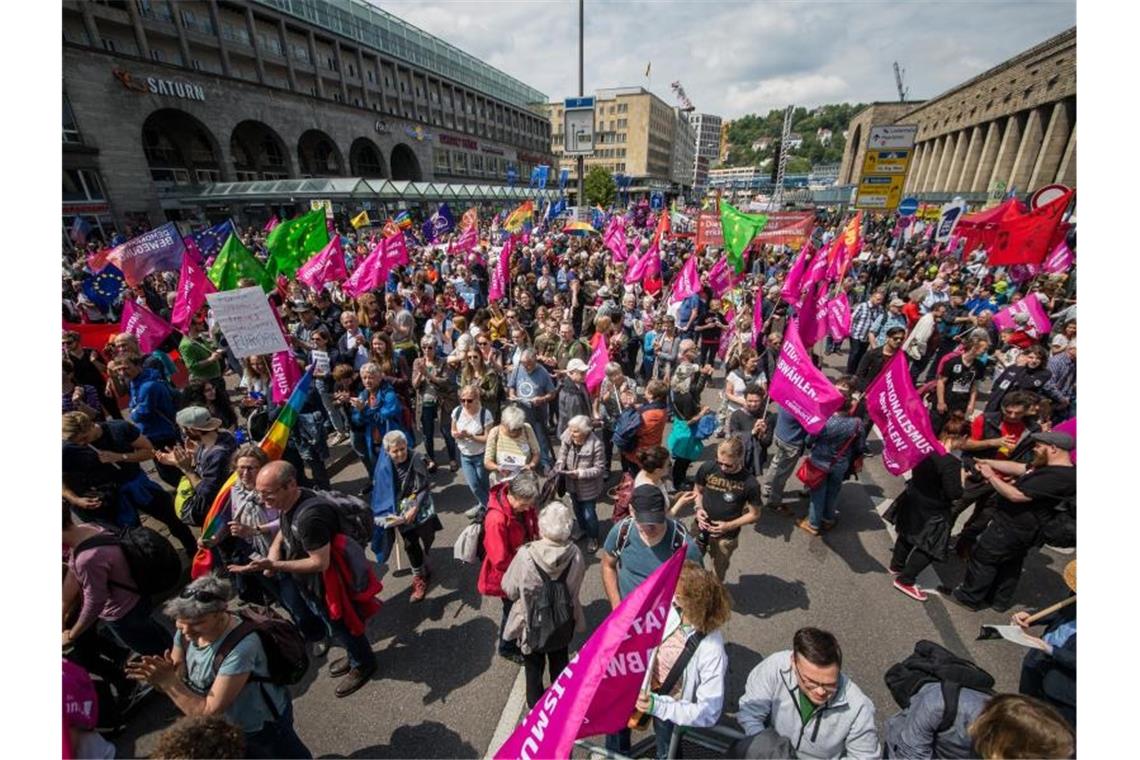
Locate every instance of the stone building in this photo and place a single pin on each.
(1013, 127)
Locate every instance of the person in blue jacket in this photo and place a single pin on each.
(151, 408)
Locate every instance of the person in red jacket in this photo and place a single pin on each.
(511, 521)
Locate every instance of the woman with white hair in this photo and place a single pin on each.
(551, 557)
(238, 687)
(415, 511)
(512, 446)
(581, 461)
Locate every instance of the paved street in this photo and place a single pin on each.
(441, 691)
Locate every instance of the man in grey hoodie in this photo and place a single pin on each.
(803, 695)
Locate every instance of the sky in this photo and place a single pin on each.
(735, 58)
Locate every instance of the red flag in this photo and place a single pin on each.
(1025, 240)
(94, 335)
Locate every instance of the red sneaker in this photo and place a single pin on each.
(914, 592)
(419, 588)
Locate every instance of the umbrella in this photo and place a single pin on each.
(579, 228)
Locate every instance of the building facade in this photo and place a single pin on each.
(162, 97)
(1012, 128)
(706, 128)
(634, 135)
(684, 152)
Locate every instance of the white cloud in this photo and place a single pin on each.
(741, 57)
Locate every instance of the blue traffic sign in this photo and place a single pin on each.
(908, 206)
(575, 103)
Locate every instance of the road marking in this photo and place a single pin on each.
(928, 579)
(512, 711)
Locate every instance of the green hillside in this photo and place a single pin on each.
(743, 132)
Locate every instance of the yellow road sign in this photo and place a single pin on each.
(880, 191)
(886, 161)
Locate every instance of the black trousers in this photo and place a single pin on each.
(858, 349)
(994, 567)
(909, 561)
(417, 543)
(680, 470)
(161, 508)
(534, 664)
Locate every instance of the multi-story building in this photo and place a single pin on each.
(162, 96)
(633, 135)
(707, 134)
(684, 152)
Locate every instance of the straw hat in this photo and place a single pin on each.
(1070, 576)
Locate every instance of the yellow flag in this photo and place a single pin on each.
(360, 220)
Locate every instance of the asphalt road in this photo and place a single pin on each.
(441, 691)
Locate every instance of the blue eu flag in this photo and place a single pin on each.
(103, 287)
(211, 239)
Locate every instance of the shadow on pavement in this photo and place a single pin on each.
(741, 662)
(765, 596)
(856, 515)
(420, 657)
(428, 739)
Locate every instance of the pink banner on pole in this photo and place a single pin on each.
(273, 222)
(820, 263)
(286, 375)
(467, 241)
(145, 325)
(369, 274)
(688, 282)
(1059, 259)
(596, 372)
(395, 251)
(728, 334)
(498, 287)
(903, 420)
(193, 287)
(839, 317)
(1039, 323)
(792, 291)
(648, 266)
(327, 266)
(757, 317)
(812, 314)
(596, 691)
(721, 277)
(801, 389)
(614, 239)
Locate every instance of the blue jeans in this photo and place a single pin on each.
(311, 626)
(477, 478)
(824, 498)
(663, 735)
(585, 510)
(139, 632)
(619, 742)
(277, 739)
(359, 650)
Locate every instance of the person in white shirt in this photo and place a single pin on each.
(471, 423)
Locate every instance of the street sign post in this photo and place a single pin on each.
(578, 126)
(908, 206)
(885, 165)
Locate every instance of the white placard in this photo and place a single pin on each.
(320, 362)
(248, 322)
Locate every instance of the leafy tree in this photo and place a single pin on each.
(600, 187)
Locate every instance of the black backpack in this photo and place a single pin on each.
(284, 646)
(933, 663)
(353, 514)
(550, 615)
(626, 425)
(153, 561)
(1059, 527)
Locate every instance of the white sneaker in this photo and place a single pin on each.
(473, 513)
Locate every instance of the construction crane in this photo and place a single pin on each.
(682, 98)
(903, 91)
(777, 199)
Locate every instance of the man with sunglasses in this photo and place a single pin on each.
(803, 696)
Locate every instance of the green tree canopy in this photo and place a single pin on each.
(600, 187)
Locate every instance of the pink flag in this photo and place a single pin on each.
(820, 264)
(596, 691)
(1069, 427)
(498, 287)
(369, 274)
(467, 241)
(812, 314)
(614, 239)
(726, 336)
(395, 251)
(273, 222)
(327, 266)
(648, 266)
(145, 325)
(193, 287)
(1059, 260)
(721, 277)
(596, 372)
(688, 282)
(1039, 323)
(286, 374)
(839, 317)
(757, 317)
(791, 293)
(800, 388)
(897, 410)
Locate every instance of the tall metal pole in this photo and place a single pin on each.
(581, 93)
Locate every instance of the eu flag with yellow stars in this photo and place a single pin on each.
(211, 239)
(294, 242)
(103, 288)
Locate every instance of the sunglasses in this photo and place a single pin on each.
(467, 400)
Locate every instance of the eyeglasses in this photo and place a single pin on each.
(483, 343)
(205, 597)
(810, 685)
(467, 400)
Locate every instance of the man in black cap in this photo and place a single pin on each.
(1046, 484)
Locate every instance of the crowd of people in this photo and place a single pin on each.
(507, 384)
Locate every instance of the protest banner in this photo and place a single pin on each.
(839, 317)
(248, 322)
(1039, 323)
(801, 389)
(148, 327)
(709, 231)
(897, 410)
(596, 370)
(158, 250)
(193, 287)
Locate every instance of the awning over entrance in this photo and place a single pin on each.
(351, 188)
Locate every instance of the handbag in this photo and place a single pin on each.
(811, 475)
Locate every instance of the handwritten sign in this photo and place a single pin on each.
(248, 322)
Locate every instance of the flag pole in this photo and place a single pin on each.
(581, 92)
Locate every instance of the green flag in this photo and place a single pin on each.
(739, 228)
(294, 242)
(234, 263)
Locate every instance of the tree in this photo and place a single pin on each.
(600, 187)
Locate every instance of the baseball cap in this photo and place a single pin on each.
(300, 305)
(197, 418)
(1063, 441)
(648, 505)
(576, 365)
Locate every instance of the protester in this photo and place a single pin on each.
(581, 463)
(1049, 671)
(151, 409)
(687, 410)
(417, 520)
(470, 428)
(834, 452)
(1017, 726)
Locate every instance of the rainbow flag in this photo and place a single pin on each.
(403, 220)
(273, 444)
(523, 213)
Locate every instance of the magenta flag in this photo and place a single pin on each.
(897, 410)
(498, 287)
(596, 691)
(726, 336)
(467, 241)
(721, 277)
(596, 372)
(839, 317)
(1059, 259)
(395, 251)
(145, 325)
(327, 266)
(647, 267)
(801, 389)
(614, 239)
(286, 375)
(792, 292)
(688, 282)
(273, 222)
(757, 317)
(369, 274)
(193, 287)
(820, 264)
(1069, 427)
(1039, 323)
(812, 314)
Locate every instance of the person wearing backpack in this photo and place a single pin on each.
(100, 580)
(632, 439)
(241, 686)
(833, 452)
(545, 577)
